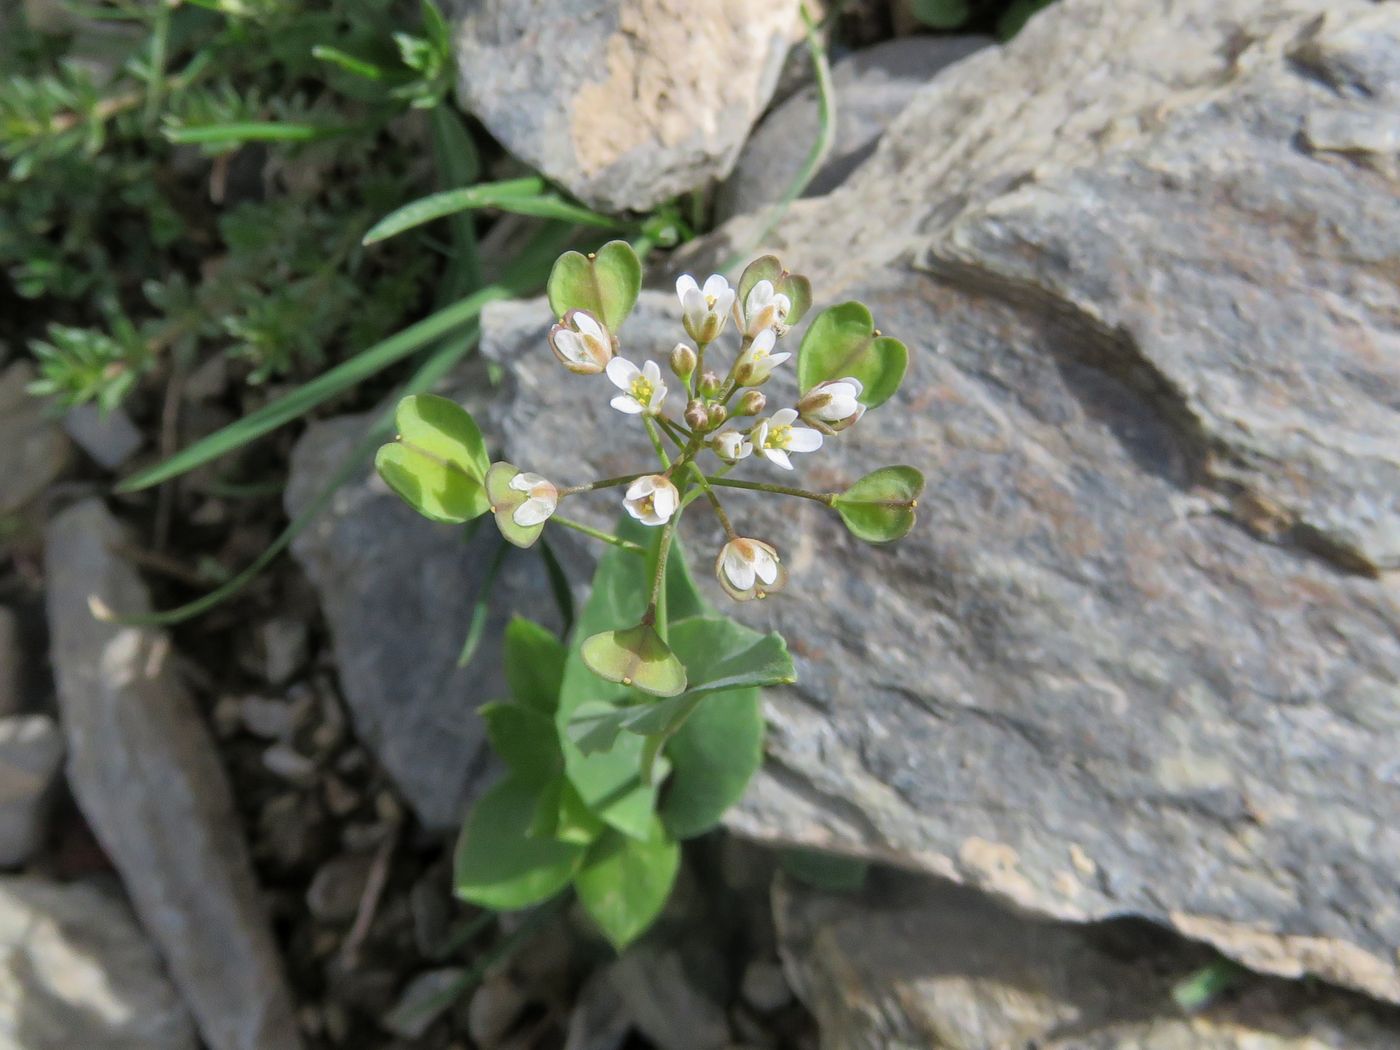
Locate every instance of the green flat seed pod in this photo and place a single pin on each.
(880, 507)
(605, 283)
(436, 490)
(842, 342)
(636, 657)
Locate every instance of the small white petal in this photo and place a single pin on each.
(765, 565)
(803, 439)
(763, 342)
(570, 344)
(524, 482)
(724, 302)
(651, 372)
(716, 285)
(784, 417)
(759, 295)
(778, 456)
(626, 403)
(685, 284)
(658, 395)
(694, 304)
(739, 571)
(585, 324)
(532, 512)
(774, 360)
(623, 373)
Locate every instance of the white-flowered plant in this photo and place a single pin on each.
(626, 702)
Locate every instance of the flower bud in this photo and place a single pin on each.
(704, 310)
(731, 446)
(652, 499)
(695, 416)
(581, 342)
(832, 406)
(717, 415)
(709, 384)
(682, 361)
(752, 403)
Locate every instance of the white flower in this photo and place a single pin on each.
(731, 446)
(757, 362)
(765, 308)
(832, 406)
(652, 499)
(542, 497)
(704, 310)
(581, 343)
(642, 388)
(749, 569)
(774, 438)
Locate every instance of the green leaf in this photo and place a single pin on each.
(604, 283)
(765, 662)
(796, 287)
(436, 490)
(498, 865)
(526, 739)
(880, 507)
(235, 134)
(596, 723)
(635, 657)
(577, 823)
(843, 342)
(941, 14)
(441, 428)
(526, 196)
(825, 871)
(438, 463)
(714, 755)
(534, 665)
(624, 884)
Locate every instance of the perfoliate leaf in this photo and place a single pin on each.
(526, 739)
(504, 501)
(880, 507)
(635, 657)
(498, 864)
(604, 283)
(623, 884)
(534, 665)
(768, 268)
(435, 489)
(842, 342)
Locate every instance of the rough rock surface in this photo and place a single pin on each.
(76, 971)
(144, 770)
(33, 448)
(922, 963)
(1142, 652)
(31, 751)
(625, 103)
(871, 87)
(398, 594)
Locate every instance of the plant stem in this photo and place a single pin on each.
(605, 483)
(714, 502)
(656, 608)
(670, 429)
(656, 442)
(826, 498)
(598, 534)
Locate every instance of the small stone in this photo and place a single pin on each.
(341, 799)
(765, 986)
(495, 1006)
(284, 643)
(423, 1001)
(109, 438)
(268, 717)
(289, 764)
(33, 448)
(336, 888)
(31, 749)
(665, 1002)
(227, 716)
(600, 1019)
(11, 664)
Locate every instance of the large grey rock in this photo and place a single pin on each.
(921, 963)
(625, 103)
(31, 751)
(398, 593)
(1142, 652)
(33, 448)
(870, 88)
(76, 971)
(143, 768)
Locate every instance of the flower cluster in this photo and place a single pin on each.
(724, 413)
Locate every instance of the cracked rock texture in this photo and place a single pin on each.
(144, 770)
(1141, 654)
(922, 963)
(624, 103)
